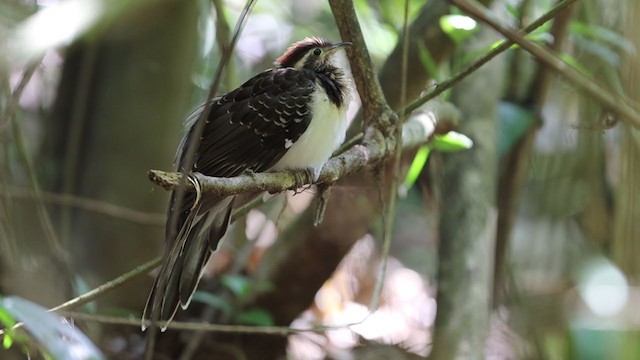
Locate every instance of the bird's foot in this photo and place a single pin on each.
(304, 179)
(193, 179)
(248, 172)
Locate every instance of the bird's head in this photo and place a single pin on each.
(311, 53)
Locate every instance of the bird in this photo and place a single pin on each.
(289, 117)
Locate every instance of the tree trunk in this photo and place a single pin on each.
(468, 220)
(119, 113)
(626, 240)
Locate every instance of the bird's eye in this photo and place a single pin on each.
(317, 52)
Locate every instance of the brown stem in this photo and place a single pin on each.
(375, 108)
(416, 132)
(618, 103)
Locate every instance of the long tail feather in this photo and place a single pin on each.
(201, 230)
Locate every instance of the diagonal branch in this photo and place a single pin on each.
(504, 46)
(375, 108)
(376, 146)
(626, 108)
(416, 131)
(87, 204)
(12, 104)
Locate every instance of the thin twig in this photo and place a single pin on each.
(75, 133)
(355, 139)
(223, 35)
(102, 289)
(417, 132)
(198, 127)
(375, 109)
(9, 112)
(516, 166)
(190, 150)
(199, 326)
(93, 205)
(139, 270)
(43, 214)
(391, 203)
(619, 103)
(109, 286)
(443, 86)
(244, 209)
(14, 100)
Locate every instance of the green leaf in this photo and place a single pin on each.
(380, 36)
(7, 341)
(575, 63)
(428, 62)
(6, 319)
(498, 43)
(214, 301)
(8, 322)
(239, 285)
(599, 50)
(392, 13)
(458, 27)
(81, 287)
(418, 163)
(255, 316)
(540, 35)
(59, 338)
(512, 10)
(604, 35)
(263, 287)
(451, 142)
(514, 122)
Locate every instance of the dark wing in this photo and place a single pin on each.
(250, 128)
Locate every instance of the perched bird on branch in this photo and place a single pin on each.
(292, 116)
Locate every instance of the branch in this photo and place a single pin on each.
(201, 326)
(416, 131)
(375, 146)
(374, 106)
(619, 103)
(88, 204)
(109, 286)
(101, 290)
(14, 100)
(506, 45)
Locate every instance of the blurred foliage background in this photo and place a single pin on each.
(528, 245)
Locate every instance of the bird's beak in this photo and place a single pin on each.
(338, 46)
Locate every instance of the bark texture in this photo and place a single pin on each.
(121, 98)
(468, 220)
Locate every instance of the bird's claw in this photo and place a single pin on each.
(248, 172)
(304, 179)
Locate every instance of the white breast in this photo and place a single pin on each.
(325, 134)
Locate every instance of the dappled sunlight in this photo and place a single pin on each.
(55, 25)
(260, 229)
(404, 317)
(523, 222)
(603, 287)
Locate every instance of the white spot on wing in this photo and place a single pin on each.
(288, 143)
